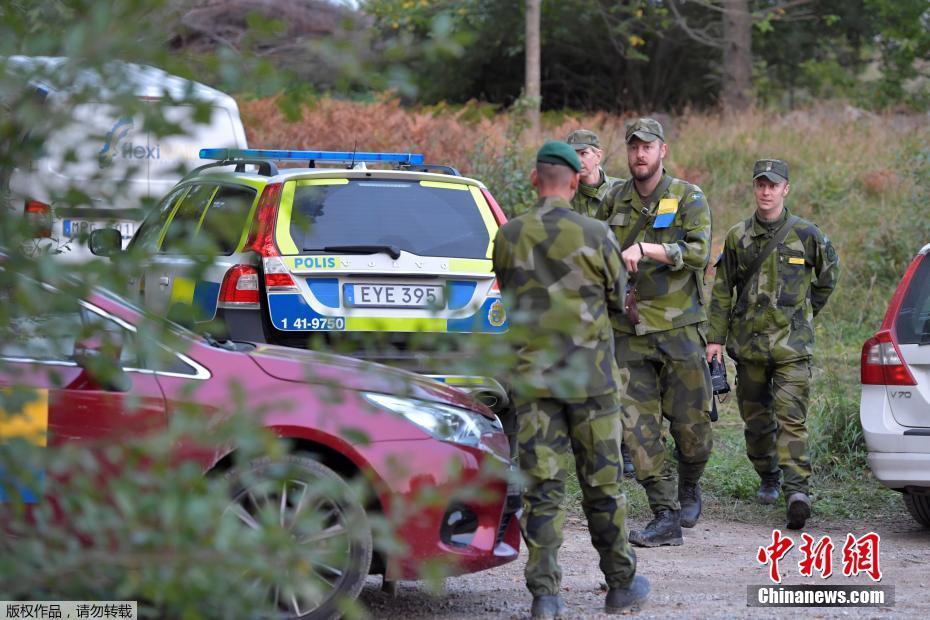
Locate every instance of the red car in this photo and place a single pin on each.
(317, 402)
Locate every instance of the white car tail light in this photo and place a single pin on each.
(881, 362)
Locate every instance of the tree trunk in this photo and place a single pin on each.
(737, 54)
(531, 90)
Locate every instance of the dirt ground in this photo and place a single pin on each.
(707, 577)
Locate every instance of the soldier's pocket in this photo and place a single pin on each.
(601, 436)
(620, 218)
(794, 276)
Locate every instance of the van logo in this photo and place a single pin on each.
(314, 262)
(900, 394)
(138, 151)
(120, 130)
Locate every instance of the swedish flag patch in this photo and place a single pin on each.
(668, 207)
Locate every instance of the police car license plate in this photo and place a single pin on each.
(394, 295)
(76, 228)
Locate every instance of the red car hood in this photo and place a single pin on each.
(302, 366)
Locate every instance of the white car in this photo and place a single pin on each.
(99, 146)
(895, 405)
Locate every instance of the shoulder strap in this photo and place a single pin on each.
(760, 258)
(654, 197)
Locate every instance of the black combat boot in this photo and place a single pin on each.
(665, 529)
(768, 490)
(628, 470)
(799, 510)
(689, 496)
(547, 606)
(620, 600)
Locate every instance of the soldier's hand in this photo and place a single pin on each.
(631, 257)
(714, 350)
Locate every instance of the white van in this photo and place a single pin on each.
(99, 148)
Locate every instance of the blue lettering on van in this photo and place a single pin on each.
(120, 130)
(139, 151)
(315, 262)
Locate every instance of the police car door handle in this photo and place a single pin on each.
(164, 281)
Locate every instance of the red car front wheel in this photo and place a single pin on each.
(320, 512)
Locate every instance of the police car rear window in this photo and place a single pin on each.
(426, 221)
(913, 321)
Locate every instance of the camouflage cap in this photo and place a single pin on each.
(646, 129)
(555, 152)
(583, 138)
(775, 170)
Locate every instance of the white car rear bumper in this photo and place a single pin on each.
(897, 459)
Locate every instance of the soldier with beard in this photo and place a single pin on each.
(664, 228)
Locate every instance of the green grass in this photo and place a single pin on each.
(730, 483)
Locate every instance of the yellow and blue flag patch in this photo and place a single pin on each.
(668, 207)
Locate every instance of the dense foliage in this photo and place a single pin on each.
(598, 54)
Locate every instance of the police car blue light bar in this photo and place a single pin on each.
(344, 157)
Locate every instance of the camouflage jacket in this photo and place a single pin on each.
(668, 296)
(773, 322)
(562, 278)
(589, 198)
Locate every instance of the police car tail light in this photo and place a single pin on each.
(39, 216)
(881, 362)
(277, 275)
(495, 287)
(240, 286)
(499, 216)
(262, 238)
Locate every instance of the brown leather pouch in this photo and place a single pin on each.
(629, 304)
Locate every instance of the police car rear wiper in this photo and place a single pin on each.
(392, 250)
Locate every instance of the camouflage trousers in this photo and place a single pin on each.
(773, 404)
(549, 431)
(665, 377)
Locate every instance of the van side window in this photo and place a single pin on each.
(183, 226)
(151, 228)
(226, 218)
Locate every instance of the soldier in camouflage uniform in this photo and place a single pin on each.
(769, 333)
(594, 183)
(562, 277)
(661, 357)
(589, 200)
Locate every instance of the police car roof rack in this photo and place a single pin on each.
(432, 167)
(265, 167)
(313, 157)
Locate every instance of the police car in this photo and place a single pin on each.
(334, 251)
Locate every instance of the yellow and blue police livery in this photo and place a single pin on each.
(331, 247)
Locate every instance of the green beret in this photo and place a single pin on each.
(555, 152)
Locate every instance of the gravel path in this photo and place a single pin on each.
(707, 577)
